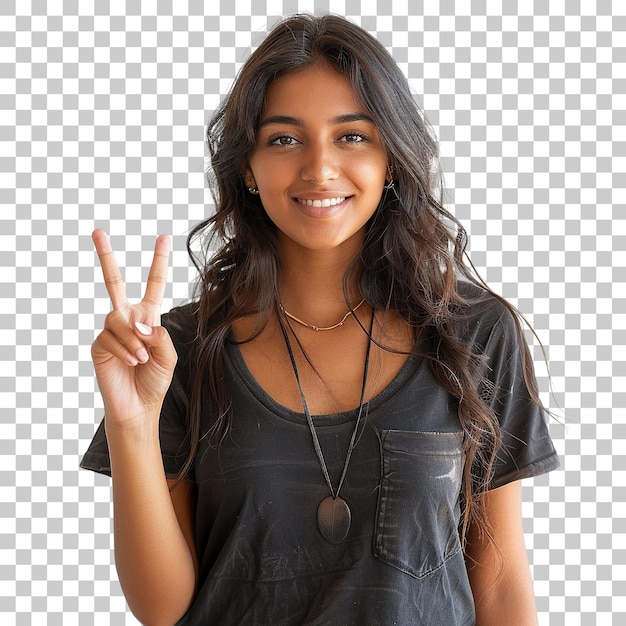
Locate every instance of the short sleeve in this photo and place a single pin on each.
(526, 447)
(173, 423)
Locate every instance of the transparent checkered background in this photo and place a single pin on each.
(102, 109)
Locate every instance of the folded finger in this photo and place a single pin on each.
(107, 345)
(124, 334)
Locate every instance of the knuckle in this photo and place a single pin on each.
(100, 339)
(113, 319)
(95, 346)
(157, 277)
(113, 280)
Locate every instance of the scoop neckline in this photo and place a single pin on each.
(410, 368)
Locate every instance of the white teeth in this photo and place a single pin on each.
(321, 203)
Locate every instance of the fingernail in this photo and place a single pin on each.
(142, 355)
(143, 329)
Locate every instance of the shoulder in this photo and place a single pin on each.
(484, 316)
(181, 323)
(181, 317)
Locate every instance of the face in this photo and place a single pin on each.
(319, 163)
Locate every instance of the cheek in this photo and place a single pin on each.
(374, 170)
(270, 180)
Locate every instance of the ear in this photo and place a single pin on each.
(248, 176)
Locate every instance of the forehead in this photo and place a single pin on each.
(319, 91)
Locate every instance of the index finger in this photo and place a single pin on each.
(157, 277)
(110, 270)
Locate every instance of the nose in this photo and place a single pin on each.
(319, 164)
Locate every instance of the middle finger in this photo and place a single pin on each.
(157, 278)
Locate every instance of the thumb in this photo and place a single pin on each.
(160, 343)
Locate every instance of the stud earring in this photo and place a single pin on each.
(253, 190)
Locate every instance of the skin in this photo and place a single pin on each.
(314, 143)
(134, 367)
(499, 573)
(317, 147)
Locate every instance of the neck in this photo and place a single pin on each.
(312, 285)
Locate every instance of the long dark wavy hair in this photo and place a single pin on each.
(413, 253)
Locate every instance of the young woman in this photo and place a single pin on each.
(336, 430)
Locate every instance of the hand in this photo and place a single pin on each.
(133, 356)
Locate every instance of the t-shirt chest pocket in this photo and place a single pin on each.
(418, 508)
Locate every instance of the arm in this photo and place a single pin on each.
(499, 572)
(134, 360)
(155, 554)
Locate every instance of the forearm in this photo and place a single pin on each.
(154, 562)
(498, 569)
(508, 600)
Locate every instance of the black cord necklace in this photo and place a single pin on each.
(333, 514)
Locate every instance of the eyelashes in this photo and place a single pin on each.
(351, 137)
(355, 137)
(282, 140)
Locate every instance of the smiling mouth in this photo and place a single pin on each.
(320, 204)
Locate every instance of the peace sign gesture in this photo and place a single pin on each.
(133, 356)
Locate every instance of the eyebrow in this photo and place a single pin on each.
(294, 121)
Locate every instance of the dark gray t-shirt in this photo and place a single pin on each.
(262, 557)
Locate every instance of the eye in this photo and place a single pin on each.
(353, 138)
(283, 140)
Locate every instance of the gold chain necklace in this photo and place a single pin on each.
(318, 328)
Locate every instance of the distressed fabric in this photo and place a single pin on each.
(262, 558)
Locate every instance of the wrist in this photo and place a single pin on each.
(134, 450)
(139, 428)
